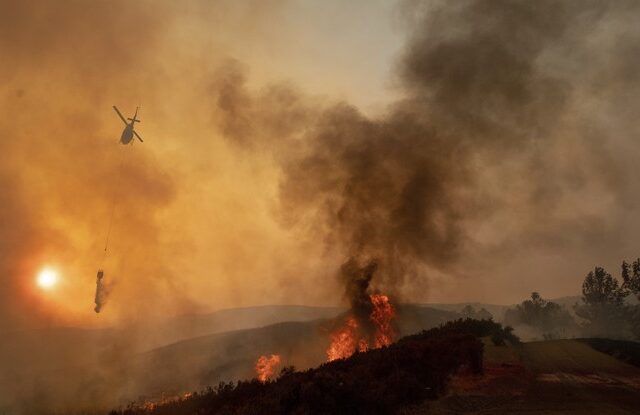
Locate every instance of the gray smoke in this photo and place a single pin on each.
(491, 109)
(357, 278)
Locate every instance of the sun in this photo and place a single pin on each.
(47, 278)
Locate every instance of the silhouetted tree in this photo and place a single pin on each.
(483, 314)
(287, 370)
(603, 305)
(599, 287)
(551, 319)
(631, 280)
(469, 312)
(631, 283)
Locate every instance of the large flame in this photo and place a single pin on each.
(382, 315)
(265, 366)
(344, 341)
(348, 338)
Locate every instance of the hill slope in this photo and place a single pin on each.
(547, 377)
(373, 382)
(38, 367)
(41, 350)
(115, 375)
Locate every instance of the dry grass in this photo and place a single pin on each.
(547, 377)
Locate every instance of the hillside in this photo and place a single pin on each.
(113, 374)
(55, 348)
(379, 381)
(54, 364)
(152, 334)
(555, 376)
(546, 377)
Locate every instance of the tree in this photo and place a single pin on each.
(287, 370)
(599, 287)
(603, 305)
(545, 316)
(631, 281)
(483, 314)
(468, 311)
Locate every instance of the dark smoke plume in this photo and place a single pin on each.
(487, 108)
(356, 279)
(399, 187)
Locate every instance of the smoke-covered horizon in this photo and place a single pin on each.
(476, 151)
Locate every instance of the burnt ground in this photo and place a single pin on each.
(548, 377)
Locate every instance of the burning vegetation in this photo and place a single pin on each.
(380, 381)
(343, 341)
(348, 339)
(265, 366)
(382, 316)
(369, 324)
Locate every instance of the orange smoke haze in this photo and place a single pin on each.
(277, 133)
(194, 226)
(459, 151)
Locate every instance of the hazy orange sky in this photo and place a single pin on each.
(530, 114)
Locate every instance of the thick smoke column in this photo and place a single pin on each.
(490, 110)
(399, 187)
(356, 279)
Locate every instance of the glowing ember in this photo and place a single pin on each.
(348, 338)
(150, 405)
(265, 366)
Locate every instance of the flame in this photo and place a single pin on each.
(151, 405)
(265, 366)
(348, 338)
(382, 315)
(344, 341)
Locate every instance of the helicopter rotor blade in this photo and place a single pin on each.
(120, 115)
(139, 138)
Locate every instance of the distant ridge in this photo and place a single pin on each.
(498, 310)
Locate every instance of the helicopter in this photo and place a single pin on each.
(128, 132)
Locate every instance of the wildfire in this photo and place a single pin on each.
(382, 315)
(345, 340)
(265, 366)
(348, 338)
(150, 405)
